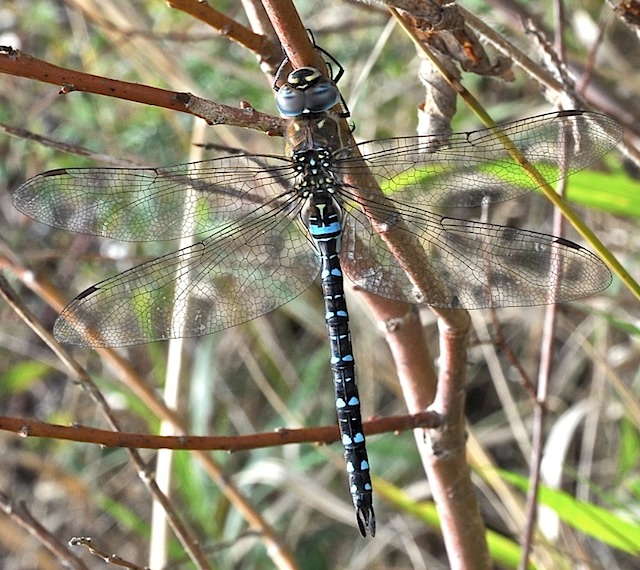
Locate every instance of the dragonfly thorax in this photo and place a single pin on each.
(314, 169)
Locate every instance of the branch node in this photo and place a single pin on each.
(183, 98)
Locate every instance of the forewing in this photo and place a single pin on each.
(474, 168)
(144, 204)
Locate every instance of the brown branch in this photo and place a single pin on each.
(293, 35)
(269, 52)
(442, 448)
(445, 458)
(24, 427)
(15, 62)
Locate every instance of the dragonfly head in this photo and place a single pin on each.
(306, 91)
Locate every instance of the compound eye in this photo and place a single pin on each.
(322, 96)
(290, 102)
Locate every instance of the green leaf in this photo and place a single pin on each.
(503, 550)
(587, 518)
(612, 192)
(629, 448)
(22, 376)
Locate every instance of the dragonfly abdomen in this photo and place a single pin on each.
(323, 219)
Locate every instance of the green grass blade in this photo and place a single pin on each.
(597, 522)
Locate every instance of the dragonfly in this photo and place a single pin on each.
(266, 226)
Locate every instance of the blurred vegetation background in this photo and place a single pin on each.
(273, 372)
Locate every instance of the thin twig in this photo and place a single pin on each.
(26, 427)
(113, 559)
(549, 326)
(16, 62)
(66, 147)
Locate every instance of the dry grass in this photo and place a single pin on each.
(273, 371)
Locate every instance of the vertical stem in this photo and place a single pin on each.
(546, 352)
(292, 34)
(444, 451)
(159, 540)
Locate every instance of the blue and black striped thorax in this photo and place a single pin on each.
(316, 180)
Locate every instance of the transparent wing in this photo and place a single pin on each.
(244, 270)
(474, 168)
(469, 265)
(144, 204)
(256, 257)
